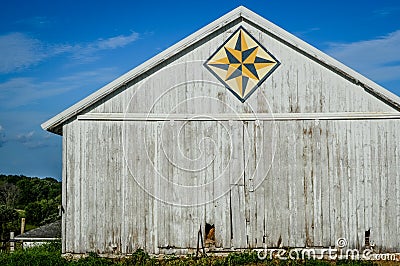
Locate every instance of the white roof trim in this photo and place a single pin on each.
(238, 116)
(35, 239)
(238, 12)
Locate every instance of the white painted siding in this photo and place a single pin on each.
(328, 179)
(317, 172)
(183, 85)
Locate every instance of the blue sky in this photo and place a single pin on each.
(54, 53)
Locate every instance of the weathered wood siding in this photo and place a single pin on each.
(184, 85)
(152, 184)
(321, 180)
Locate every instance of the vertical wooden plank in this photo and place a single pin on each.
(332, 181)
(124, 193)
(151, 222)
(298, 182)
(140, 165)
(324, 183)
(359, 184)
(384, 179)
(291, 150)
(352, 183)
(100, 186)
(396, 142)
(279, 197)
(282, 186)
(375, 187)
(77, 191)
(157, 188)
(83, 186)
(316, 180)
(367, 169)
(222, 211)
(342, 176)
(159, 209)
(262, 164)
(91, 156)
(237, 203)
(249, 202)
(390, 199)
(308, 184)
(365, 179)
(238, 217)
(64, 192)
(70, 206)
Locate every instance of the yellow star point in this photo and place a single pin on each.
(242, 63)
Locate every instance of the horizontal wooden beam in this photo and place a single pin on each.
(236, 117)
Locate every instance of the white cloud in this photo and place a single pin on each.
(378, 59)
(22, 91)
(36, 21)
(33, 141)
(2, 136)
(386, 11)
(116, 42)
(306, 31)
(87, 50)
(19, 51)
(25, 137)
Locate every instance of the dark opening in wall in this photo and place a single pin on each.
(210, 234)
(367, 236)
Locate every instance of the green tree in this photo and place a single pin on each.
(42, 212)
(9, 220)
(9, 194)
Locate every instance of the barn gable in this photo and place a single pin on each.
(242, 126)
(177, 81)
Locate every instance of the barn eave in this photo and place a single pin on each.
(55, 124)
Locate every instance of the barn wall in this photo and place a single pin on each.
(328, 180)
(184, 85)
(306, 182)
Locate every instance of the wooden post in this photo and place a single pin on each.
(12, 243)
(22, 225)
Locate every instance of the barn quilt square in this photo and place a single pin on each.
(241, 64)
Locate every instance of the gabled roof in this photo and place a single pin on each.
(55, 123)
(48, 231)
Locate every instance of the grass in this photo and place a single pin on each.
(50, 254)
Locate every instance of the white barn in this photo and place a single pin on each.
(243, 126)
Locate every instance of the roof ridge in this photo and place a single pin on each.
(368, 85)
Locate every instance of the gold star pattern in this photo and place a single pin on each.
(241, 64)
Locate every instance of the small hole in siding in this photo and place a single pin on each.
(367, 236)
(210, 234)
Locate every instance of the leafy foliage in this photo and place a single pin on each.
(36, 199)
(8, 221)
(49, 254)
(42, 212)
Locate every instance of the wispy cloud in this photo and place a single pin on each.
(378, 58)
(25, 137)
(36, 21)
(306, 31)
(387, 11)
(28, 90)
(115, 42)
(86, 51)
(33, 141)
(19, 51)
(2, 136)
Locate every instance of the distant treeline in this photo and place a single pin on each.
(36, 199)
